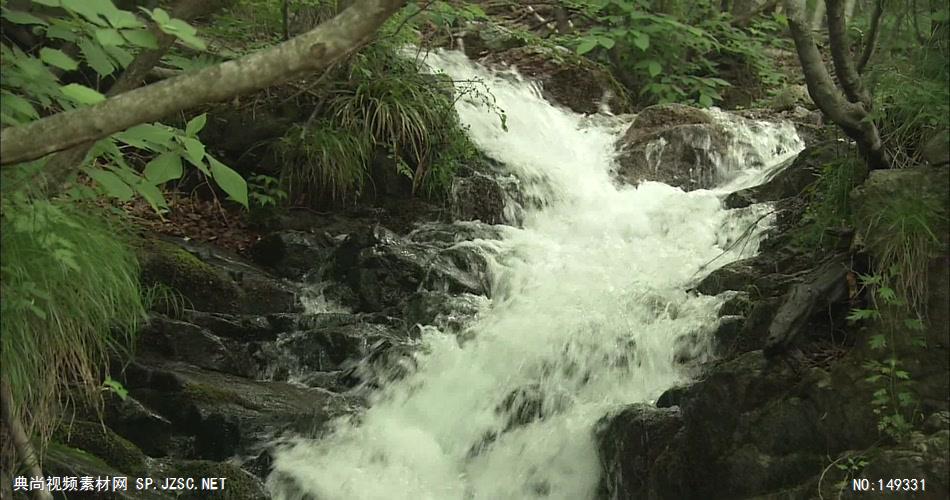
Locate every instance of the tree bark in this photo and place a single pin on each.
(21, 442)
(874, 32)
(852, 117)
(840, 43)
(818, 15)
(311, 51)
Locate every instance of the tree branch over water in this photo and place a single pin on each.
(311, 51)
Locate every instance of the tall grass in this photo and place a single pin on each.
(381, 100)
(324, 159)
(70, 295)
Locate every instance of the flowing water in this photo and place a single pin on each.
(589, 311)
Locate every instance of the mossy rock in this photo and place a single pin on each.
(102, 442)
(167, 264)
(238, 483)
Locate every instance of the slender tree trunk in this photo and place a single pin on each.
(852, 117)
(845, 70)
(817, 15)
(311, 51)
(21, 442)
(874, 32)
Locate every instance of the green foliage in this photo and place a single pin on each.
(902, 237)
(323, 158)
(672, 58)
(910, 79)
(829, 205)
(106, 39)
(384, 102)
(71, 295)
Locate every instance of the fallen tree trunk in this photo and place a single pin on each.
(824, 285)
(311, 51)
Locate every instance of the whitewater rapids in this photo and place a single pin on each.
(589, 312)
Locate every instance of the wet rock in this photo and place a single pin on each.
(291, 254)
(148, 430)
(936, 151)
(383, 269)
(181, 341)
(238, 483)
(574, 82)
(629, 441)
(792, 178)
(481, 39)
(223, 415)
(101, 441)
(674, 144)
(448, 312)
(238, 327)
(65, 461)
(656, 118)
(478, 197)
(211, 280)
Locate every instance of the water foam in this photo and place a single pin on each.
(589, 311)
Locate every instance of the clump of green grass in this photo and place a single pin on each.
(381, 101)
(70, 296)
(325, 159)
(829, 199)
(902, 237)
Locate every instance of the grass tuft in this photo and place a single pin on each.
(70, 296)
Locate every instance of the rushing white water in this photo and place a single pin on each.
(589, 312)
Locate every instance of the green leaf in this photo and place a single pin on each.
(586, 46)
(111, 183)
(48, 3)
(96, 58)
(185, 32)
(109, 37)
(194, 149)
(196, 124)
(82, 94)
(119, 55)
(229, 180)
(654, 68)
(20, 17)
(158, 15)
(152, 195)
(122, 19)
(163, 168)
(18, 104)
(877, 342)
(705, 100)
(141, 38)
(58, 58)
(116, 387)
(605, 42)
(641, 41)
(85, 8)
(147, 136)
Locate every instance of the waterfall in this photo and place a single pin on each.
(589, 311)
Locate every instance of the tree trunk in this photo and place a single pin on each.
(311, 51)
(852, 117)
(874, 32)
(847, 75)
(818, 15)
(21, 442)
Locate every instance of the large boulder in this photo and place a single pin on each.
(574, 82)
(381, 269)
(673, 144)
